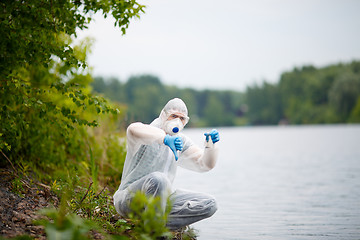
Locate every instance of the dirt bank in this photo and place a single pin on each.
(20, 200)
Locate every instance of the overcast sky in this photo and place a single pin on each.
(226, 44)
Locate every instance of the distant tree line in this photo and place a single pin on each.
(145, 96)
(306, 95)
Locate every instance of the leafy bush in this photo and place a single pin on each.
(149, 217)
(65, 227)
(45, 98)
(88, 211)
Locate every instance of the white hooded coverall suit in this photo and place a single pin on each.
(150, 167)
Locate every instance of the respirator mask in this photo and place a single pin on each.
(174, 126)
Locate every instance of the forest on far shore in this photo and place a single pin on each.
(305, 95)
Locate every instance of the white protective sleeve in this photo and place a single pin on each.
(139, 134)
(193, 158)
(200, 160)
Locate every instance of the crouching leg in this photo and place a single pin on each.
(189, 207)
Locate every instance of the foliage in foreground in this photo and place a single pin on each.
(46, 105)
(67, 225)
(52, 128)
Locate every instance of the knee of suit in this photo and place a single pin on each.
(156, 184)
(212, 208)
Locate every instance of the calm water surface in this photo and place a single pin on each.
(282, 183)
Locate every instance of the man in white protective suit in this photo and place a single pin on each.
(153, 153)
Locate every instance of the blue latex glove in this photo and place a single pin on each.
(214, 134)
(174, 143)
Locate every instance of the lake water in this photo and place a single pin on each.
(296, 182)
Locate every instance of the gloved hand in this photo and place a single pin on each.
(174, 143)
(214, 134)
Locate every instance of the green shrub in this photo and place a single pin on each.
(149, 217)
